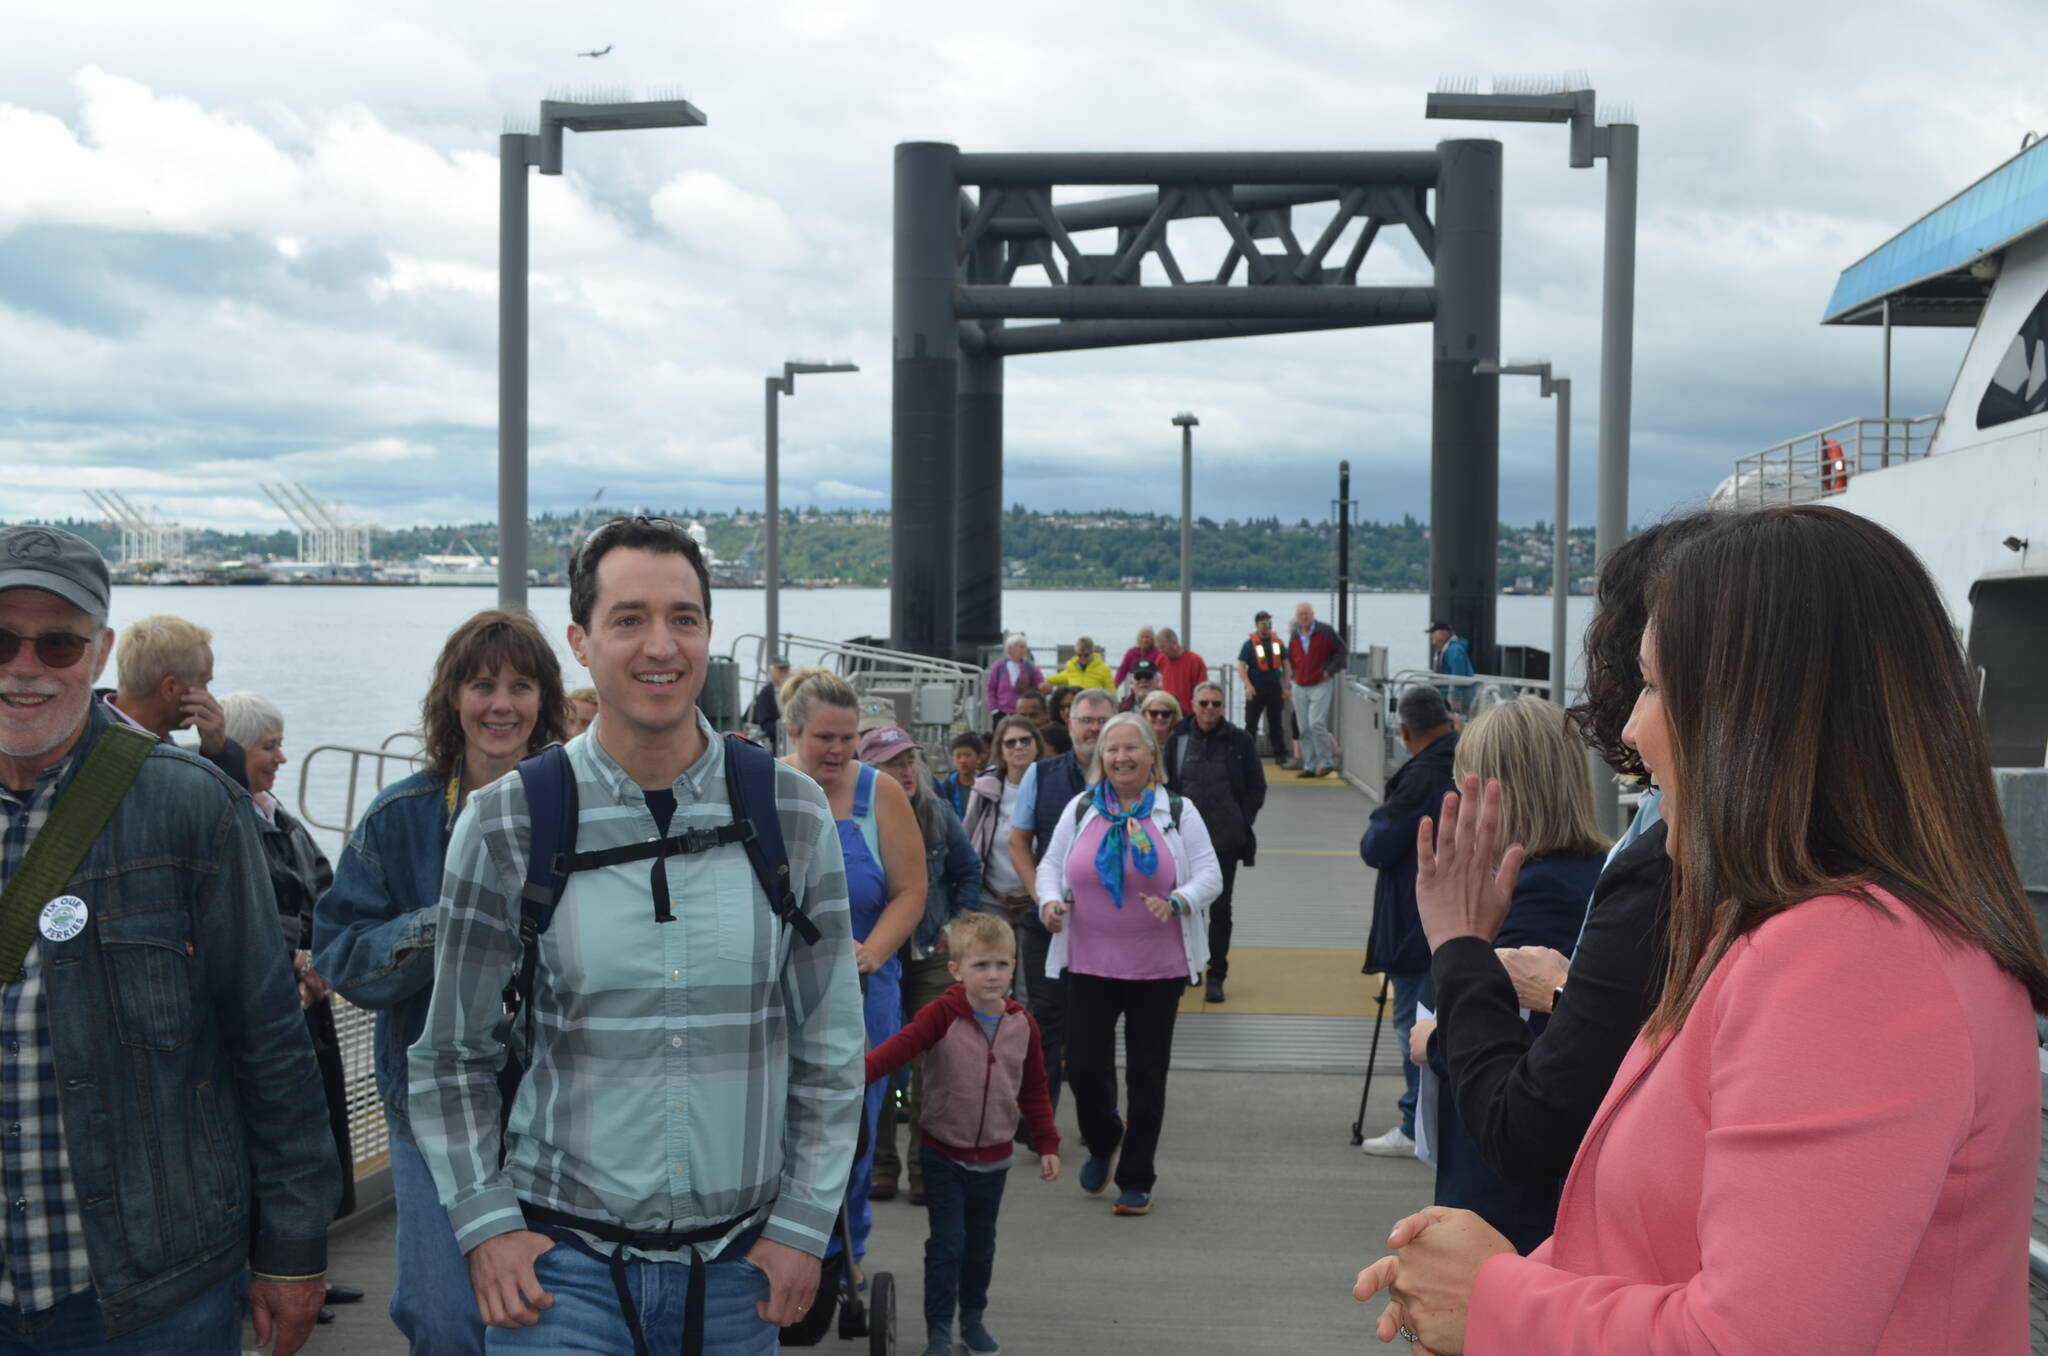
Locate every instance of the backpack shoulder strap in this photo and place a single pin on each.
(750, 787)
(1173, 804)
(551, 809)
(81, 811)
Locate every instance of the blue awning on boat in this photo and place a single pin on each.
(1924, 270)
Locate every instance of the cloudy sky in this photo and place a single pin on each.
(243, 242)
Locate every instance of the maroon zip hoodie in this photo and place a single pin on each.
(974, 1088)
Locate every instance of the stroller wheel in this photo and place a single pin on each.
(882, 1314)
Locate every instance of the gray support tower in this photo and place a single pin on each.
(1464, 477)
(978, 521)
(924, 391)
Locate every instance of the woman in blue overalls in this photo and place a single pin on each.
(885, 873)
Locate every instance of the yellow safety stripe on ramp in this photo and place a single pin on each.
(1291, 981)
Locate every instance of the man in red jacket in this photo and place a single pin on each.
(983, 1065)
(1179, 668)
(1316, 654)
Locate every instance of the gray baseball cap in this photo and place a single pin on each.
(55, 561)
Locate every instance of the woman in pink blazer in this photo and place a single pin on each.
(1010, 675)
(1826, 1138)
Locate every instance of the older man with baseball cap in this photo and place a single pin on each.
(160, 1090)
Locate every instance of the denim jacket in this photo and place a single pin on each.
(187, 1082)
(373, 931)
(953, 882)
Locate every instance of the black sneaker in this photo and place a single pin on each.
(1213, 992)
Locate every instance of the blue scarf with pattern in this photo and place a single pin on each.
(1126, 828)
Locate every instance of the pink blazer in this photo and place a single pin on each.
(1836, 1153)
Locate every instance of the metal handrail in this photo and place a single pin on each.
(871, 667)
(356, 756)
(1824, 462)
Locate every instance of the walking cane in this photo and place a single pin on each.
(1358, 1126)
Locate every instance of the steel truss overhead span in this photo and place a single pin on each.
(958, 255)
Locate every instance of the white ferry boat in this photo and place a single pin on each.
(1967, 488)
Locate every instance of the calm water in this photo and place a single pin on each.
(347, 665)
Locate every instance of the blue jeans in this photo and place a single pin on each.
(882, 1006)
(586, 1314)
(211, 1325)
(1312, 716)
(431, 1301)
(960, 1255)
(1408, 991)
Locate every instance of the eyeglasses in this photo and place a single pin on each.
(1020, 742)
(1158, 713)
(1208, 706)
(54, 649)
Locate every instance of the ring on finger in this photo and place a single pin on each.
(1408, 1334)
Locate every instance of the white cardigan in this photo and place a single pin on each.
(1200, 879)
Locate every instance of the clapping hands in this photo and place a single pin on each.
(1458, 891)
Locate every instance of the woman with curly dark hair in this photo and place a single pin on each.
(1526, 1092)
(496, 696)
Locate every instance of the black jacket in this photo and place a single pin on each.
(1247, 776)
(1396, 945)
(1527, 1099)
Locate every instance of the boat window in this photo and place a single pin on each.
(2020, 385)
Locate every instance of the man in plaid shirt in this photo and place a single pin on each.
(156, 1081)
(691, 1096)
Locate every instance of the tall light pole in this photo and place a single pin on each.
(1616, 144)
(783, 385)
(1559, 388)
(1186, 423)
(517, 152)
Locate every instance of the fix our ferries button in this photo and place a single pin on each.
(63, 918)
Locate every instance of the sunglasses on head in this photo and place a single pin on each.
(54, 649)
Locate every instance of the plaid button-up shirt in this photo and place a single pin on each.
(43, 1234)
(683, 1073)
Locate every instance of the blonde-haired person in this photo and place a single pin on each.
(162, 669)
(886, 880)
(1162, 711)
(582, 710)
(1125, 886)
(1546, 805)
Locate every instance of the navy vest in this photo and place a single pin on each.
(1060, 779)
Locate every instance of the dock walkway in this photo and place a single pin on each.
(1265, 1211)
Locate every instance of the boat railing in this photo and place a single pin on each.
(1825, 461)
(929, 697)
(316, 812)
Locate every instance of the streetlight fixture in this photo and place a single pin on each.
(783, 385)
(1616, 144)
(1560, 551)
(1186, 423)
(517, 152)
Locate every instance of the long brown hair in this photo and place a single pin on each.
(1825, 741)
(489, 641)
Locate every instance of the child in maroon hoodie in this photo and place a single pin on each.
(983, 1067)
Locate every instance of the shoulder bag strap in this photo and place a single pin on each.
(81, 811)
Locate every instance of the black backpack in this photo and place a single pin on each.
(552, 858)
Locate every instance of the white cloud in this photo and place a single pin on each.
(721, 220)
(840, 492)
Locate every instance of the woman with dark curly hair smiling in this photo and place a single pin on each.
(496, 696)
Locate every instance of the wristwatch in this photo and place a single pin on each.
(1555, 995)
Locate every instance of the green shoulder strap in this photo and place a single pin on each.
(67, 835)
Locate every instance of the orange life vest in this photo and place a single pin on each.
(1268, 652)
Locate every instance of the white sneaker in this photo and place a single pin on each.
(1392, 1144)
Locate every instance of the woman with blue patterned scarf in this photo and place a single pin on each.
(1125, 888)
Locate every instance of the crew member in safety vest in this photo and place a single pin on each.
(1262, 668)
